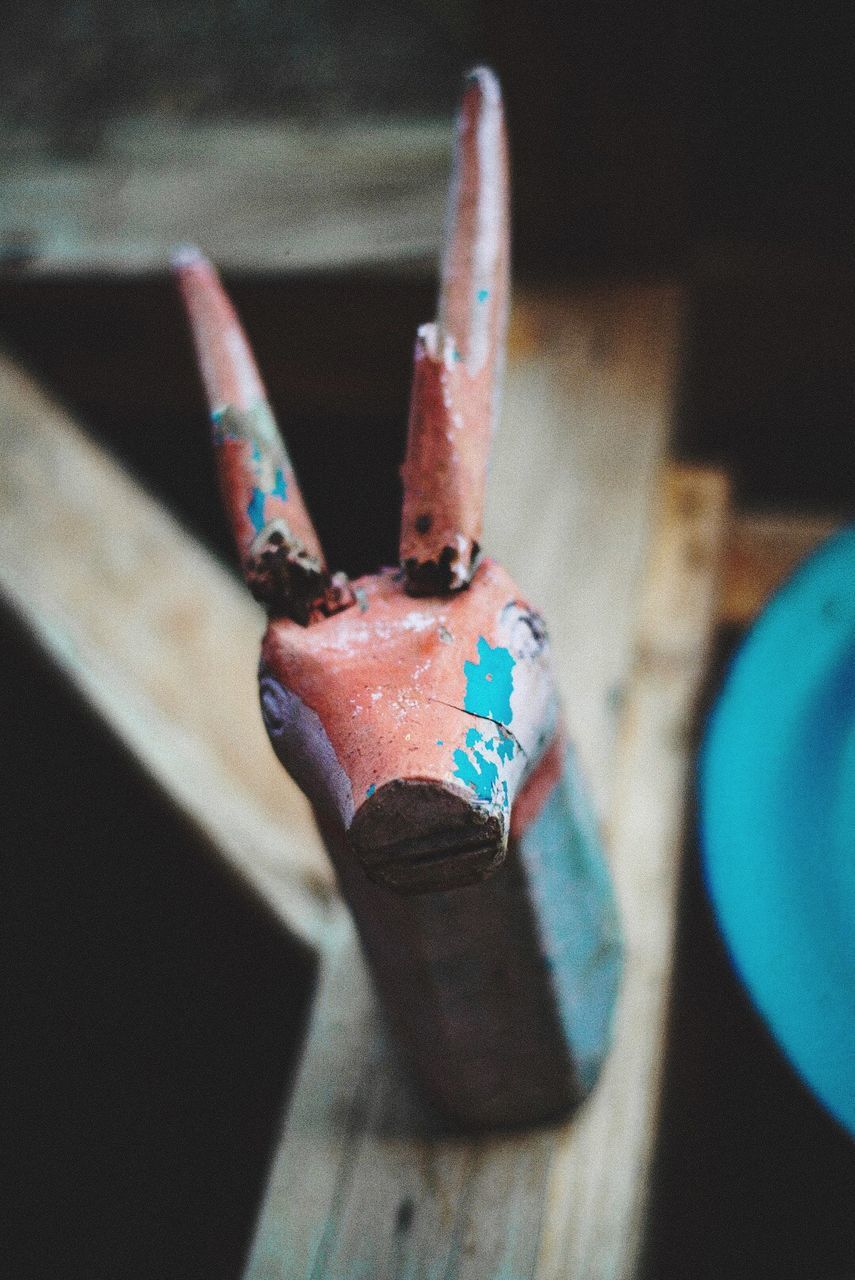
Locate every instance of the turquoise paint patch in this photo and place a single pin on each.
(577, 917)
(280, 488)
(490, 682)
(483, 295)
(489, 685)
(255, 510)
(439, 742)
(476, 771)
(221, 426)
(370, 790)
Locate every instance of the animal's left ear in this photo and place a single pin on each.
(280, 553)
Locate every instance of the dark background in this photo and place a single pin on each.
(154, 1014)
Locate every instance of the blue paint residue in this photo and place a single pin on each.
(576, 916)
(220, 426)
(439, 742)
(370, 790)
(475, 769)
(280, 488)
(255, 510)
(490, 682)
(489, 685)
(483, 295)
(257, 502)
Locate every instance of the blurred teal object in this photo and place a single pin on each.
(777, 789)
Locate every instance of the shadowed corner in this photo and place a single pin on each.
(155, 1010)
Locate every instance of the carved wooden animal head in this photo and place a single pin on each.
(409, 705)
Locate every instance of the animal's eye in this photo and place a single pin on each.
(526, 630)
(274, 705)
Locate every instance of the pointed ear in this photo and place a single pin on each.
(459, 360)
(279, 550)
(473, 294)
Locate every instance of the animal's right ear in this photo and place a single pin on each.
(458, 360)
(279, 550)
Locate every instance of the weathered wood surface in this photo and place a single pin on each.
(595, 1203)
(257, 196)
(364, 1183)
(158, 637)
(762, 551)
(585, 418)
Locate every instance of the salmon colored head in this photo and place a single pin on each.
(412, 704)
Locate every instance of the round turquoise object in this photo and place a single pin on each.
(777, 791)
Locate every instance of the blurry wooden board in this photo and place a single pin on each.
(585, 421)
(158, 637)
(257, 196)
(365, 1182)
(762, 551)
(595, 1203)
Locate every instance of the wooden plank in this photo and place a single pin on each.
(275, 197)
(595, 1204)
(158, 637)
(364, 1182)
(762, 551)
(585, 419)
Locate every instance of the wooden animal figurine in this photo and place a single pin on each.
(416, 706)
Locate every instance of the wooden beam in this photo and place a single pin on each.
(159, 639)
(762, 551)
(364, 1181)
(597, 1192)
(256, 196)
(585, 420)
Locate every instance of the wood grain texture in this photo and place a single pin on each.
(255, 196)
(365, 1182)
(594, 1213)
(158, 637)
(762, 552)
(585, 419)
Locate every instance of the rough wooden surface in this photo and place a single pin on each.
(255, 196)
(364, 1183)
(762, 551)
(158, 637)
(595, 1203)
(585, 418)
